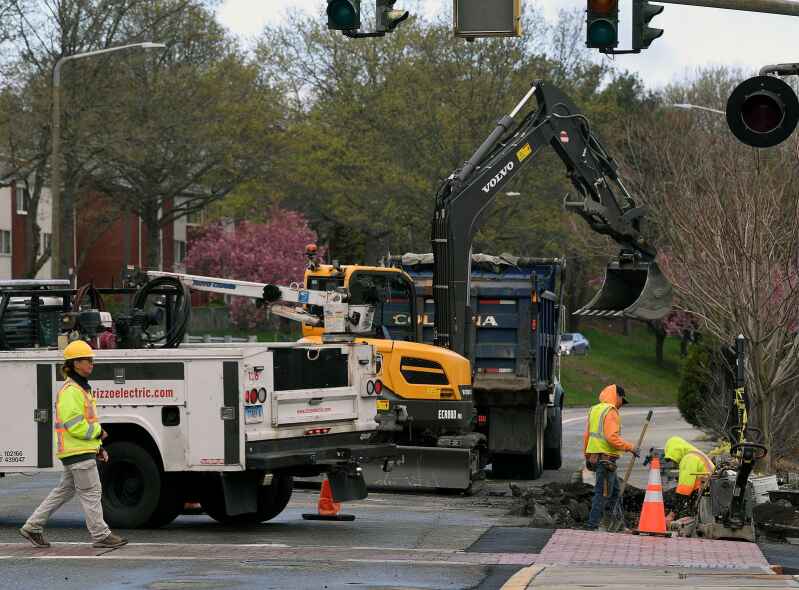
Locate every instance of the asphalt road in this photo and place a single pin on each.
(397, 540)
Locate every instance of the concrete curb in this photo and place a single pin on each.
(521, 579)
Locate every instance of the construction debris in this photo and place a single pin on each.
(778, 519)
(566, 505)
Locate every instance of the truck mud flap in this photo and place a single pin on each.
(347, 485)
(419, 468)
(636, 290)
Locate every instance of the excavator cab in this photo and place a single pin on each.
(632, 289)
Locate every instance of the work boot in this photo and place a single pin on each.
(112, 541)
(36, 539)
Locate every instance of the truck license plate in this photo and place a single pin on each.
(253, 414)
(382, 404)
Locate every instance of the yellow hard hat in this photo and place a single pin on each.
(79, 349)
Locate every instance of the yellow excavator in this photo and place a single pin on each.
(427, 390)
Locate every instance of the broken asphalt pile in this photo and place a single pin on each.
(779, 518)
(567, 505)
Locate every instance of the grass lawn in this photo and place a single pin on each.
(627, 360)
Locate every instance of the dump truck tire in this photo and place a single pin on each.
(553, 439)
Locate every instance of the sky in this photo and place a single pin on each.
(694, 37)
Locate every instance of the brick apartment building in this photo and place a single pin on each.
(103, 248)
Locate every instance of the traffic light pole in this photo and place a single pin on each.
(785, 7)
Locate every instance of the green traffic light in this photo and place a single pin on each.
(342, 14)
(602, 33)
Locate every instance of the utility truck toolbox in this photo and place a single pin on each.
(229, 426)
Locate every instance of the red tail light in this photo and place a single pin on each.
(533, 325)
(482, 419)
(378, 387)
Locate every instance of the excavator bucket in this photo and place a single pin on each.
(636, 290)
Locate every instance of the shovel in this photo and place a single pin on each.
(617, 512)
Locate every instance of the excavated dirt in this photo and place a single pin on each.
(567, 505)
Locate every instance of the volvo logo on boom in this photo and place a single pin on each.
(498, 177)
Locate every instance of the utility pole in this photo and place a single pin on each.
(58, 268)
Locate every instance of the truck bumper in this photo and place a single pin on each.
(317, 454)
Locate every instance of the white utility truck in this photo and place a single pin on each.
(229, 426)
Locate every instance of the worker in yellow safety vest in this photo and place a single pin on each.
(695, 467)
(602, 446)
(79, 437)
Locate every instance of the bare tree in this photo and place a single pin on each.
(729, 220)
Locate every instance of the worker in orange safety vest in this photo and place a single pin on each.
(602, 446)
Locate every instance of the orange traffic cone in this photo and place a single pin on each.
(327, 508)
(653, 513)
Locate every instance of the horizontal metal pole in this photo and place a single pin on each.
(785, 7)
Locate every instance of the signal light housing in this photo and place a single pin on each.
(602, 24)
(643, 34)
(343, 15)
(762, 111)
(387, 17)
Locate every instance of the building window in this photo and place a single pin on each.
(5, 242)
(180, 251)
(45, 241)
(196, 217)
(22, 200)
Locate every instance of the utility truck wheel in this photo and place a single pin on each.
(272, 500)
(131, 486)
(553, 439)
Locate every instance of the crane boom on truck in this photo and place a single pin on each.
(229, 426)
(439, 448)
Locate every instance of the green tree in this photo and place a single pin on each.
(376, 126)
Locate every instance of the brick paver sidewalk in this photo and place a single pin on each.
(589, 547)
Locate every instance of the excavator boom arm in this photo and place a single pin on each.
(634, 285)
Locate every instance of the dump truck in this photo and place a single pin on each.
(513, 343)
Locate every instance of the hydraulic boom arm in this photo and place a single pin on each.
(634, 286)
(336, 316)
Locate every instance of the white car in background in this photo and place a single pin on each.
(573, 343)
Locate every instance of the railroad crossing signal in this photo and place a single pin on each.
(602, 24)
(344, 15)
(643, 34)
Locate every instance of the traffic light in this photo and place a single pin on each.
(762, 111)
(602, 24)
(344, 15)
(387, 17)
(643, 34)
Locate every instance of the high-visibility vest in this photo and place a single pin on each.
(694, 467)
(597, 443)
(77, 426)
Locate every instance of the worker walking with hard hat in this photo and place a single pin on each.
(603, 445)
(80, 436)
